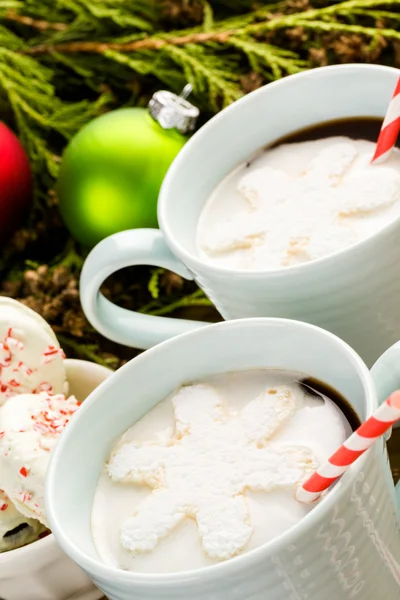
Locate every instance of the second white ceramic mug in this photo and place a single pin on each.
(354, 293)
(347, 548)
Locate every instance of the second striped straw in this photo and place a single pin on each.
(362, 439)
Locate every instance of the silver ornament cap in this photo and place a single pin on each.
(174, 112)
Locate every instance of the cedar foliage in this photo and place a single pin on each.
(62, 62)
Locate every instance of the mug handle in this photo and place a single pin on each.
(124, 249)
(386, 373)
(386, 376)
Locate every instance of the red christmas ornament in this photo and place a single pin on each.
(15, 181)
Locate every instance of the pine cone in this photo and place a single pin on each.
(21, 239)
(252, 81)
(70, 296)
(33, 302)
(32, 283)
(296, 6)
(52, 308)
(349, 48)
(74, 323)
(60, 277)
(12, 289)
(182, 12)
(318, 57)
(396, 48)
(297, 36)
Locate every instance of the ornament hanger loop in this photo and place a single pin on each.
(187, 90)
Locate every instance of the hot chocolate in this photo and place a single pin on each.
(211, 471)
(310, 195)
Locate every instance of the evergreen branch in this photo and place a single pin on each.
(346, 8)
(149, 43)
(154, 283)
(140, 64)
(9, 41)
(73, 19)
(377, 14)
(323, 26)
(212, 56)
(208, 17)
(184, 302)
(85, 351)
(271, 61)
(34, 23)
(206, 76)
(312, 19)
(197, 298)
(110, 9)
(69, 258)
(37, 108)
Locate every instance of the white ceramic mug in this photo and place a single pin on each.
(354, 293)
(347, 547)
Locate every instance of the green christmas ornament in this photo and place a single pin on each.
(112, 170)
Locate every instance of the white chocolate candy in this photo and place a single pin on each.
(30, 425)
(203, 470)
(31, 359)
(15, 529)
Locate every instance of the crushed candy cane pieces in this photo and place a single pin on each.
(51, 353)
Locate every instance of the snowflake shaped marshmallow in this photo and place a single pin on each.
(203, 470)
(337, 185)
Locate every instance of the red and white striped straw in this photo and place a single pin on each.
(390, 129)
(362, 439)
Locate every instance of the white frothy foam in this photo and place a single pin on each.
(297, 203)
(211, 472)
